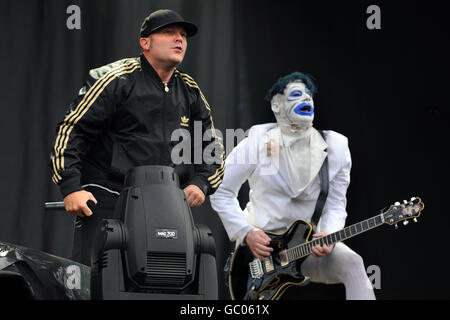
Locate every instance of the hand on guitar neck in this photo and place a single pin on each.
(321, 251)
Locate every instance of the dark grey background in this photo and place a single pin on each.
(383, 89)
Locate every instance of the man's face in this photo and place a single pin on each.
(297, 103)
(168, 45)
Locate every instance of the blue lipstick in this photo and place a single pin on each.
(304, 109)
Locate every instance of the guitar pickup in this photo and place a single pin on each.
(268, 263)
(284, 260)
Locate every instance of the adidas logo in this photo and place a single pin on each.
(184, 121)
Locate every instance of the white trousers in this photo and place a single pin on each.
(342, 265)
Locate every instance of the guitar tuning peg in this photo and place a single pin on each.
(413, 198)
(396, 226)
(397, 203)
(405, 222)
(415, 220)
(404, 201)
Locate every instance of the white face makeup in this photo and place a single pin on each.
(297, 104)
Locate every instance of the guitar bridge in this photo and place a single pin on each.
(256, 269)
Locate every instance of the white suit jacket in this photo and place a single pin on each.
(272, 203)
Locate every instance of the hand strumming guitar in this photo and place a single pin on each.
(258, 241)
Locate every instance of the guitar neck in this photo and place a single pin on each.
(305, 249)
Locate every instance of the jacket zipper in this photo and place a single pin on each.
(166, 89)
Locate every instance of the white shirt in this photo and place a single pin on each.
(274, 203)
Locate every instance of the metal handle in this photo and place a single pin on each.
(54, 206)
(59, 205)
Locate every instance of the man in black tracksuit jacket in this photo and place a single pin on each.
(124, 117)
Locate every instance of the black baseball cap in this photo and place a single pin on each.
(165, 17)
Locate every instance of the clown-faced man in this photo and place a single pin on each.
(281, 162)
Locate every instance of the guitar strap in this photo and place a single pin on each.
(324, 186)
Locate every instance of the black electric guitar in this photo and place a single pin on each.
(252, 279)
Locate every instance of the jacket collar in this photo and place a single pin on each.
(147, 67)
(318, 151)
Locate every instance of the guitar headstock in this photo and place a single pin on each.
(403, 211)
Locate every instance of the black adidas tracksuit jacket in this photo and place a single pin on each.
(124, 117)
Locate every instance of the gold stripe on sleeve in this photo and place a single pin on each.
(68, 122)
(71, 120)
(68, 119)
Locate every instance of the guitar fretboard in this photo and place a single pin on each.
(305, 249)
